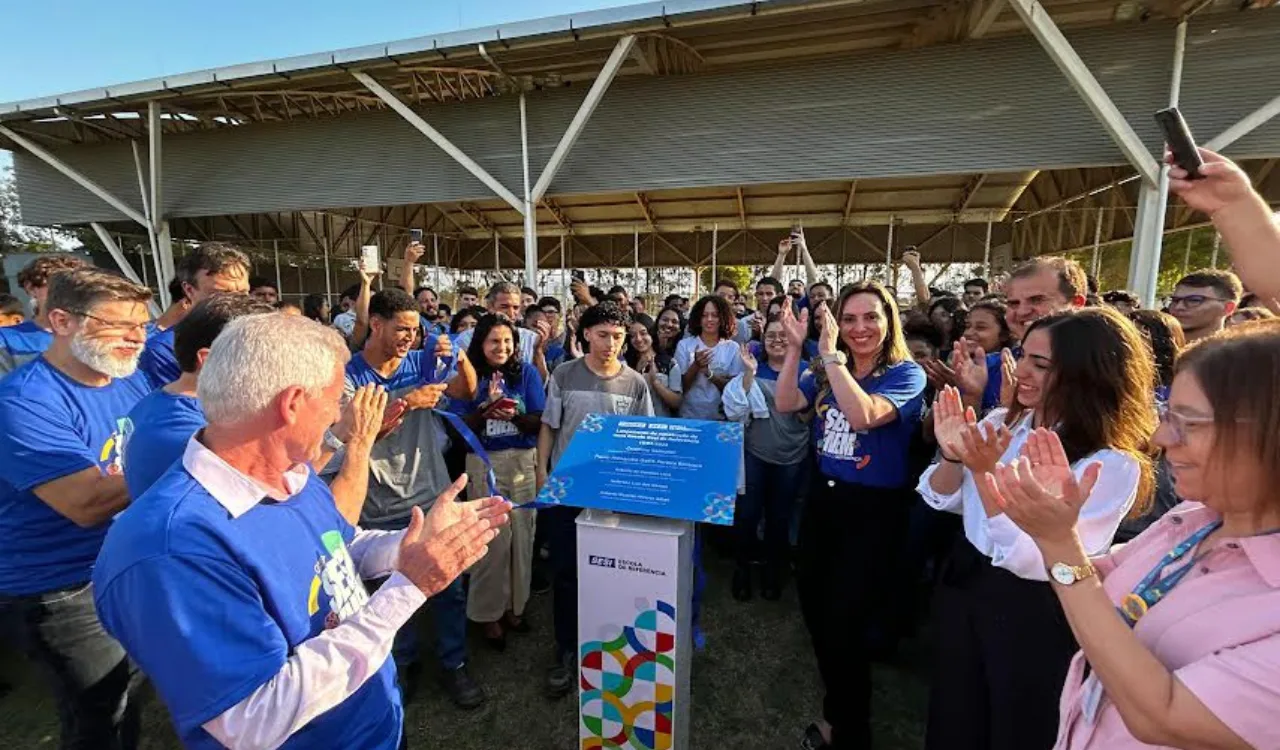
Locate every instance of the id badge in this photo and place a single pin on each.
(1091, 698)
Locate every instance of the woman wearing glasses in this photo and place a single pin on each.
(1180, 629)
(776, 452)
(1003, 646)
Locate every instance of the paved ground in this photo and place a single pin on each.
(755, 687)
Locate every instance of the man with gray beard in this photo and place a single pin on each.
(60, 486)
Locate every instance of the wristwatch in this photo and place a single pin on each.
(834, 358)
(1068, 574)
(332, 442)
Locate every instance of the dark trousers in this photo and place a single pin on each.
(561, 528)
(849, 545)
(771, 493)
(93, 680)
(449, 610)
(1003, 649)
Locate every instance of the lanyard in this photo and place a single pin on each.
(1152, 588)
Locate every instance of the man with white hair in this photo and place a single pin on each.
(234, 582)
(60, 486)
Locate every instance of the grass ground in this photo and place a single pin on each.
(755, 687)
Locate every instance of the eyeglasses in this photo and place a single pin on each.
(1179, 424)
(122, 326)
(1192, 300)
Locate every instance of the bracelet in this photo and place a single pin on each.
(951, 460)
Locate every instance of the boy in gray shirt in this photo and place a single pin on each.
(597, 383)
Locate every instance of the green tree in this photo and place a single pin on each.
(1177, 258)
(740, 275)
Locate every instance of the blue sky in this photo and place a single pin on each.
(66, 45)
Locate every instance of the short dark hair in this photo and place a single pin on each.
(206, 320)
(176, 292)
(1224, 282)
(977, 281)
(313, 306)
(468, 290)
(11, 305)
(729, 283)
(352, 293)
(78, 290)
(617, 289)
(551, 302)
(596, 293)
(1071, 278)
(770, 281)
(529, 291)
(531, 310)
(728, 323)
(36, 273)
(831, 291)
(672, 299)
(923, 331)
(1121, 296)
(422, 289)
(257, 282)
(212, 258)
(605, 312)
(386, 303)
(475, 311)
(443, 309)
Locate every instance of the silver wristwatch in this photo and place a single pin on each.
(834, 358)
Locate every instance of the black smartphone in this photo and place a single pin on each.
(1181, 144)
(580, 275)
(415, 235)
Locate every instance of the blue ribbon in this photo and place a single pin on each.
(443, 369)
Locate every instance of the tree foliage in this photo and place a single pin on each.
(1177, 259)
(740, 275)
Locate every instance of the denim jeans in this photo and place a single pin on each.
(771, 494)
(92, 678)
(449, 608)
(561, 528)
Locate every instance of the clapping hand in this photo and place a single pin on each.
(796, 329)
(368, 415)
(1039, 492)
(829, 331)
(1008, 378)
(413, 252)
(749, 361)
(702, 360)
(911, 259)
(496, 394)
(543, 329)
(962, 438)
(970, 365)
(939, 373)
(442, 544)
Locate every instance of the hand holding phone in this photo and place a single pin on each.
(1178, 137)
(370, 262)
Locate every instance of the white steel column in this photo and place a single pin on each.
(888, 256)
(1097, 245)
(1186, 253)
(328, 284)
(438, 138)
(155, 160)
(275, 251)
(986, 254)
(588, 107)
(564, 279)
(635, 235)
(125, 266)
(1148, 236)
(1248, 124)
(161, 278)
(530, 213)
(435, 254)
(1217, 243)
(715, 242)
(1081, 79)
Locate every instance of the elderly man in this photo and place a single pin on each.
(210, 268)
(234, 582)
(60, 486)
(505, 298)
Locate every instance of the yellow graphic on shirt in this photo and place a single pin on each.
(336, 577)
(111, 457)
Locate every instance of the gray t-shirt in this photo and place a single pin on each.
(406, 467)
(575, 391)
(782, 439)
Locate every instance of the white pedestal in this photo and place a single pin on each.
(635, 636)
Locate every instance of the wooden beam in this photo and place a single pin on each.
(848, 202)
(742, 209)
(982, 14)
(968, 192)
(647, 211)
(558, 214)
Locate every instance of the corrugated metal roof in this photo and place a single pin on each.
(572, 25)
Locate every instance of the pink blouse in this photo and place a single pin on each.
(1218, 631)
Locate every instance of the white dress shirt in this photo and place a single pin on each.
(325, 670)
(1008, 546)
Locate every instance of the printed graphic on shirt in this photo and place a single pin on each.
(336, 578)
(111, 457)
(839, 441)
(621, 404)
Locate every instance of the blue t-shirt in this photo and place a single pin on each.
(211, 607)
(876, 457)
(995, 378)
(156, 434)
(158, 359)
(530, 397)
(50, 427)
(20, 344)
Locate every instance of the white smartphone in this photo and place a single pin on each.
(369, 259)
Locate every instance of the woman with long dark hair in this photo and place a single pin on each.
(505, 415)
(708, 359)
(669, 329)
(948, 314)
(986, 326)
(1003, 646)
(659, 369)
(867, 398)
(1163, 334)
(1179, 629)
(316, 307)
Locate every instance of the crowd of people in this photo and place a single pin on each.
(247, 502)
